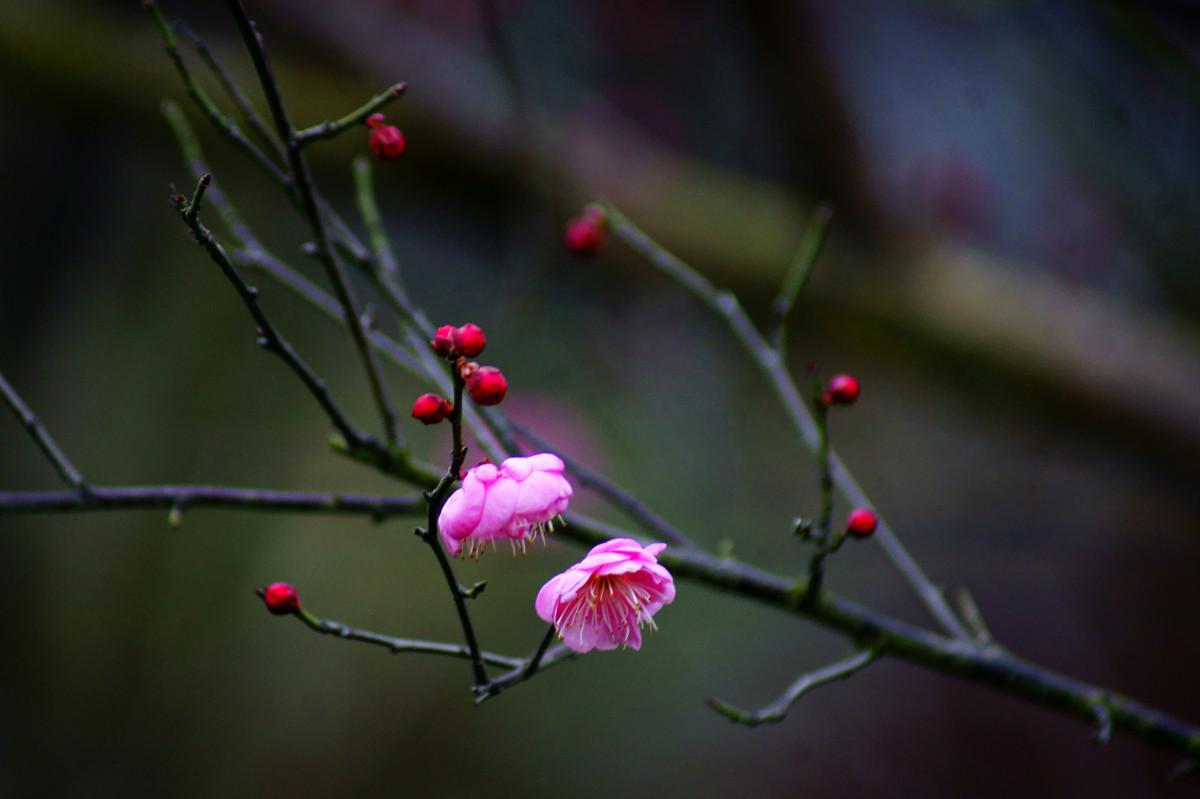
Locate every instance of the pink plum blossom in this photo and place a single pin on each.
(516, 500)
(603, 601)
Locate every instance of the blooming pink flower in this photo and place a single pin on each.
(516, 500)
(603, 601)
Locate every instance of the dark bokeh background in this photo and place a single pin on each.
(1012, 274)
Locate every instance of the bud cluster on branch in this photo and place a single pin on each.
(605, 600)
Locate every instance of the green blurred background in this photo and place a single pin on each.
(1012, 274)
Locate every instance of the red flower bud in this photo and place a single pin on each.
(487, 386)
(861, 522)
(281, 598)
(842, 390)
(469, 340)
(374, 121)
(443, 341)
(387, 142)
(585, 234)
(431, 408)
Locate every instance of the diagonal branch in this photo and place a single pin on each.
(308, 200)
(777, 710)
(269, 337)
(771, 364)
(62, 464)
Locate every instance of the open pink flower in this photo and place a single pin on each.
(516, 500)
(603, 601)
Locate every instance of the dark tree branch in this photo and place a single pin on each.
(777, 710)
(196, 496)
(398, 645)
(269, 337)
(773, 367)
(308, 200)
(62, 464)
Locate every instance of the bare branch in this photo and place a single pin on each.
(197, 496)
(398, 645)
(308, 200)
(769, 361)
(777, 710)
(329, 129)
(62, 464)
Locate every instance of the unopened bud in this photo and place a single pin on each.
(443, 341)
(842, 390)
(487, 386)
(861, 522)
(387, 142)
(280, 598)
(469, 340)
(431, 408)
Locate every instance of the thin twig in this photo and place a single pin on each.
(773, 367)
(269, 337)
(219, 120)
(58, 459)
(331, 128)
(436, 500)
(249, 113)
(308, 199)
(398, 645)
(777, 710)
(542, 658)
(969, 612)
(797, 275)
(368, 209)
(198, 496)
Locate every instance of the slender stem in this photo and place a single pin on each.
(797, 275)
(542, 658)
(253, 255)
(189, 496)
(308, 199)
(398, 645)
(777, 710)
(269, 337)
(615, 494)
(969, 611)
(368, 208)
(249, 114)
(824, 533)
(331, 128)
(773, 367)
(41, 436)
(221, 122)
(436, 500)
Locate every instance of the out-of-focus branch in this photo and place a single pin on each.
(777, 710)
(41, 436)
(771, 364)
(797, 275)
